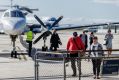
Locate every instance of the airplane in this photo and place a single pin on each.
(52, 23)
(13, 21)
(14, 24)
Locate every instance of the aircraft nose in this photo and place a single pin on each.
(15, 27)
(19, 25)
(16, 24)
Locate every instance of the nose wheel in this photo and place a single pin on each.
(44, 47)
(13, 52)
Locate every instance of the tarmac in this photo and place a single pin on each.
(23, 68)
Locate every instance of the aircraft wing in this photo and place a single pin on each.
(36, 28)
(33, 26)
(83, 26)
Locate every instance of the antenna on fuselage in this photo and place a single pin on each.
(11, 3)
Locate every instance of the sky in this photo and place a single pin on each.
(74, 11)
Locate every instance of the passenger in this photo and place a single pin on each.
(29, 40)
(91, 38)
(74, 43)
(96, 62)
(84, 39)
(55, 41)
(109, 38)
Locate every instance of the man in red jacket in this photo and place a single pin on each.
(74, 43)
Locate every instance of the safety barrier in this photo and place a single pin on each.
(62, 59)
(47, 57)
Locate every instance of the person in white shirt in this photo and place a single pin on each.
(93, 53)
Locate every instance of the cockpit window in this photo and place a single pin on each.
(6, 14)
(17, 14)
(52, 19)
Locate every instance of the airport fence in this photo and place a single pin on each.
(57, 66)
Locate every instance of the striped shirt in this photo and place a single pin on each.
(96, 53)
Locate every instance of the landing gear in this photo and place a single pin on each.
(44, 36)
(44, 47)
(13, 52)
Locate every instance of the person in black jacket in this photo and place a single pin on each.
(55, 41)
(91, 38)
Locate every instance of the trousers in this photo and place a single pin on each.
(73, 61)
(30, 47)
(96, 66)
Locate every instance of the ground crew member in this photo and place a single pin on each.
(29, 40)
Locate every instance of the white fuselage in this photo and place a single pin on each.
(13, 22)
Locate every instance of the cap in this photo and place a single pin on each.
(75, 34)
(31, 29)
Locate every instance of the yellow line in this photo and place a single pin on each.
(24, 57)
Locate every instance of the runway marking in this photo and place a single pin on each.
(23, 55)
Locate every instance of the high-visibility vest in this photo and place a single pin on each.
(29, 36)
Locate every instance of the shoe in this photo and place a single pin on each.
(74, 75)
(98, 77)
(15, 56)
(30, 56)
(94, 77)
(67, 64)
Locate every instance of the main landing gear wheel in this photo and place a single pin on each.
(14, 54)
(44, 47)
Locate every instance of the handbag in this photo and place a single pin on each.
(81, 54)
(105, 41)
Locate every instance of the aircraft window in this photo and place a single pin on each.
(52, 19)
(6, 14)
(13, 14)
(17, 14)
(21, 14)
